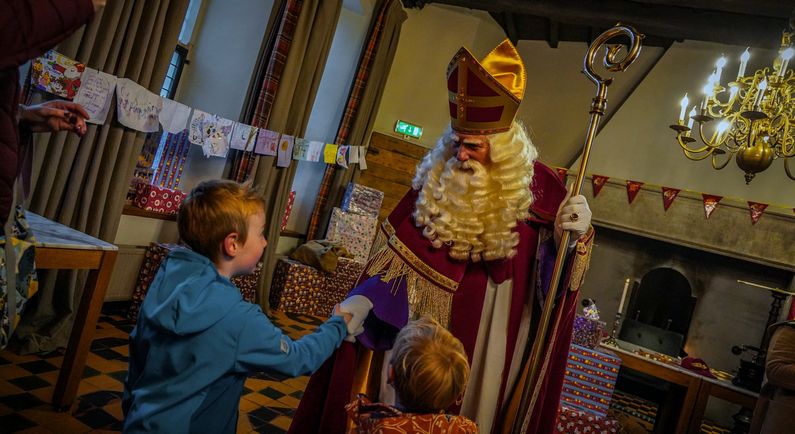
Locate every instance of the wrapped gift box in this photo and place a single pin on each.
(590, 379)
(155, 255)
(355, 232)
(361, 199)
(570, 420)
(299, 288)
(587, 332)
(158, 199)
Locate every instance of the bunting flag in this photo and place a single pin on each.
(668, 195)
(562, 174)
(757, 209)
(633, 187)
(330, 153)
(598, 181)
(342, 156)
(301, 149)
(710, 203)
(285, 151)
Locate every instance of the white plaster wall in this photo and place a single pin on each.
(226, 42)
(416, 91)
(332, 95)
(637, 143)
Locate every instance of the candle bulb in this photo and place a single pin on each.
(719, 68)
(785, 57)
(707, 89)
(683, 104)
(690, 120)
(623, 296)
(743, 62)
(761, 93)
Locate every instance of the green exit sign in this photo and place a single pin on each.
(408, 129)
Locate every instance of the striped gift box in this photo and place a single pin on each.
(590, 379)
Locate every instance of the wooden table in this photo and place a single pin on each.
(698, 388)
(61, 247)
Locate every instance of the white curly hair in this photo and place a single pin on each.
(473, 208)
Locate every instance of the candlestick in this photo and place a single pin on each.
(719, 68)
(785, 57)
(761, 93)
(623, 296)
(683, 104)
(690, 121)
(743, 62)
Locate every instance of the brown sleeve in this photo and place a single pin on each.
(28, 28)
(781, 358)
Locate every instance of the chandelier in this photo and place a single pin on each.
(751, 119)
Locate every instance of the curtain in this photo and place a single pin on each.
(362, 107)
(283, 103)
(82, 183)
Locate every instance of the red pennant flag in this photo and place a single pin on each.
(598, 181)
(633, 187)
(562, 174)
(756, 210)
(668, 195)
(710, 203)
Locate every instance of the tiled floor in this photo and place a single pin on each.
(27, 383)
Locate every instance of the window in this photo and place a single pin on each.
(163, 152)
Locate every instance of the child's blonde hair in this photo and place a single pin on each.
(213, 210)
(430, 367)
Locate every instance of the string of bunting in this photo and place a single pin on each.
(139, 109)
(669, 194)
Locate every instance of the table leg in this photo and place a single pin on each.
(85, 324)
(693, 399)
(697, 416)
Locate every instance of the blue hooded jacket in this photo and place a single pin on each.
(194, 344)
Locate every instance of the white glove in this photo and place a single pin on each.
(359, 307)
(573, 215)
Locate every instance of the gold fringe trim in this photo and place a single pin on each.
(582, 260)
(424, 297)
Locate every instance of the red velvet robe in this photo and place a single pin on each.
(407, 267)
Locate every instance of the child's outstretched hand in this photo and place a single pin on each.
(345, 315)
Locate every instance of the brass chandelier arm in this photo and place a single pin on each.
(719, 166)
(687, 149)
(786, 169)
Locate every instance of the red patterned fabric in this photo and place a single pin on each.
(157, 199)
(377, 418)
(354, 100)
(572, 421)
(270, 83)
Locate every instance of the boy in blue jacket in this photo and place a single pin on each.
(196, 340)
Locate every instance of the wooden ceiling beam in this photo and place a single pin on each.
(668, 22)
(768, 8)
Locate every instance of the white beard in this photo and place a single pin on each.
(460, 205)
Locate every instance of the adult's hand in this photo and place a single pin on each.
(54, 116)
(573, 215)
(359, 307)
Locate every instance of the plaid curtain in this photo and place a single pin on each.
(278, 47)
(384, 31)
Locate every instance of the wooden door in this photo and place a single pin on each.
(391, 163)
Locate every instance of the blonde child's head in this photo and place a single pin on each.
(430, 367)
(215, 209)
